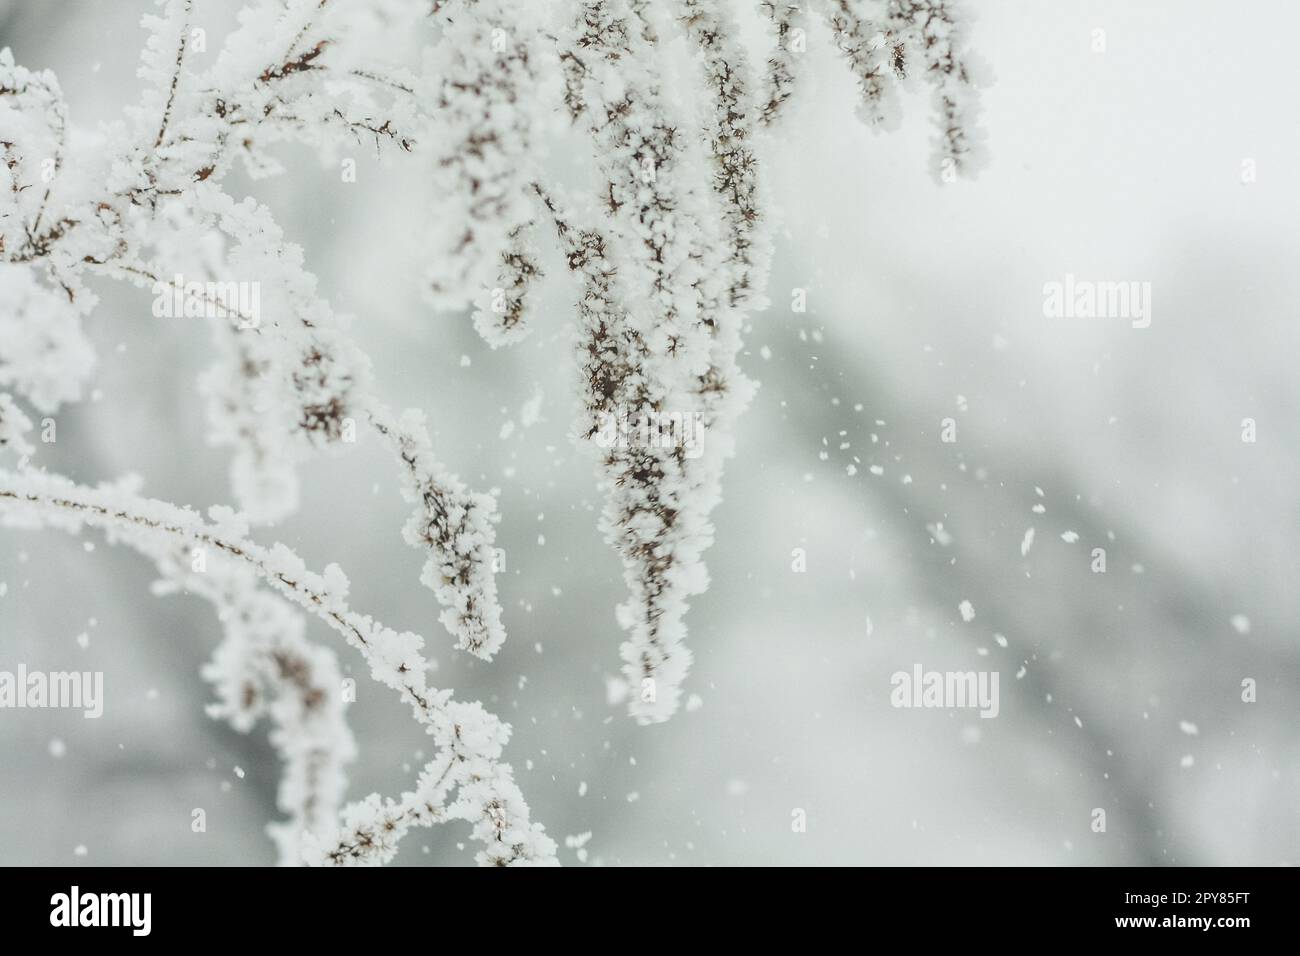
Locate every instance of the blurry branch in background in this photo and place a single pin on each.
(1116, 761)
(950, 574)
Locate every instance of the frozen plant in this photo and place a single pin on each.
(264, 656)
(668, 248)
(142, 200)
(670, 242)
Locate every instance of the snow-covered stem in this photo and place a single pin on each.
(488, 86)
(657, 328)
(502, 313)
(115, 211)
(886, 41)
(464, 733)
(789, 22)
(735, 165)
(455, 527)
(265, 666)
(286, 381)
(875, 55)
(934, 34)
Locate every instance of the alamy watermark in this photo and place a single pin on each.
(1088, 299)
(75, 908)
(946, 690)
(239, 302)
(652, 429)
(66, 690)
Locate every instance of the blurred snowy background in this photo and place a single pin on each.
(925, 302)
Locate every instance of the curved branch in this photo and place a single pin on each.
(469, 739)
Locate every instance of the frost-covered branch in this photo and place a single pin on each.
(455, 527)
(287, 380)
(875, 55)
(935, 33)
(502, 313)
(727, 75)
(788, 19)
(489, 74)
(671, 270)
(658, 328)
(886, 41)
(120, 207)
(265, 666)
(469, 740)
